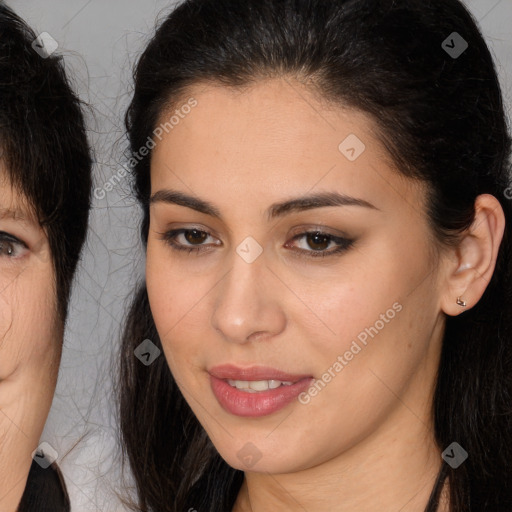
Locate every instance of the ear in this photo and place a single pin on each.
(472, 262)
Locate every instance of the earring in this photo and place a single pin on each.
(460, 302)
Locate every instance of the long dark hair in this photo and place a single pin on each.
(441, 117)
(47, 158)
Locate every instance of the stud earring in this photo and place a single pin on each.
(460, 302)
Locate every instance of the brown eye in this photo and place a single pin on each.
(193, 240)
(318, 242)
(195, 236)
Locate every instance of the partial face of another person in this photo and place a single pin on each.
(341, 287)
(30, 339)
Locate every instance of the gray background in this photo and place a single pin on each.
(100, 42)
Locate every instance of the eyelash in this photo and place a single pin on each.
(343, 243)
(11, 242)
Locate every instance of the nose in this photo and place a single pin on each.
(247, 306)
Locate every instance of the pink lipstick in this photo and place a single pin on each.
(255, 391)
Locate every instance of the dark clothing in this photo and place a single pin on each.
(45, 491)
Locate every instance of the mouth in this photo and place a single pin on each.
(255, 391)
(255, 386)
(230, 372)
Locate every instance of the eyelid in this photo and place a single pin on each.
(335, 233)
(11, 238)
(302, 229)
(342, 242)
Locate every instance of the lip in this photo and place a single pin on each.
(262, 403)
(229, 371)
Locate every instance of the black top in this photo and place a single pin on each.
(45, 491)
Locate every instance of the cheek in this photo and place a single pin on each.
(175, 302)
(379, 315)
(341, 304)
(5, 316)
(28, 334)
(383, 340)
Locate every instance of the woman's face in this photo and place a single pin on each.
(353, 313)
(30, 340)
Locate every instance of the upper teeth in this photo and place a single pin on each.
(253, 386)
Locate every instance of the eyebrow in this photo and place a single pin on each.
(18, 215)
(9, 213)
(275, 210)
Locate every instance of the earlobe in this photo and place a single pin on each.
(472, 268)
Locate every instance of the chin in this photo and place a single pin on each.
(249, 458)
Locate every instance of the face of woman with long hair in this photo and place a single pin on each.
(30, 339)
(299, 294)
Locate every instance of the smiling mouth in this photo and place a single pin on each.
(256, 398)
(255, 391)
(256, 386)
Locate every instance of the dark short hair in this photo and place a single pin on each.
(46, 155)
(44, 146)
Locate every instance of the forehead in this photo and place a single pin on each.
(272, 125)
(272, 136)
(14, 205)
(274, 110)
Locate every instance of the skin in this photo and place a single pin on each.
(365, 442)
(30, 341)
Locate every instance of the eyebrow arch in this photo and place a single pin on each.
(15, 214)
(309, 202)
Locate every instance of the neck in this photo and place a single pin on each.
(394, 470)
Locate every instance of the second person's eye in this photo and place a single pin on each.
(10, 246)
